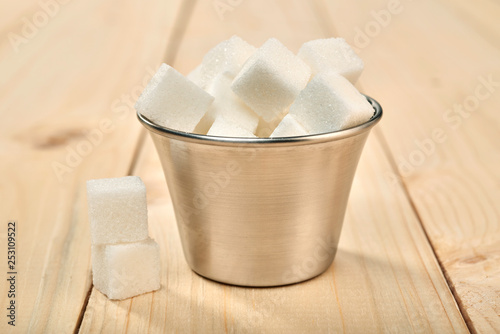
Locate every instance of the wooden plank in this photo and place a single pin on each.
(423, 65)
(385, 277)
(481, 15)
(67, 117)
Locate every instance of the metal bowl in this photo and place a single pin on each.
(260, 211)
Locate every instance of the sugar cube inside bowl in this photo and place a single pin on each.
(271, 79)
(227, 105)
(227, 58)
(330, 103)
(238, 87)
(289, 127)
(332, 55)
(172, 100)
(226, 128)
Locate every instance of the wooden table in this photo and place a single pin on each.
(420, 248)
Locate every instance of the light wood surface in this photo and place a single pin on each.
(419, 251)
(455, 189)
(62, 83)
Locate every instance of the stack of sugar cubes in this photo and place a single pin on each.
(241, 91)
(125, 261)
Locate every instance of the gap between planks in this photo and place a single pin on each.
(169, 55)
(182, 20)
(330, 30)
(84, 308)
(385, 147)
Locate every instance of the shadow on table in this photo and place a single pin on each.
(353, 286)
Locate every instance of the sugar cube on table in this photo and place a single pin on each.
(271, 79)
(225, 128)
(330, 103)
(171, 100)
(125, 270)
(332, 54)
(226, 57)
(228, 105)
(289, 127)
(117, 210)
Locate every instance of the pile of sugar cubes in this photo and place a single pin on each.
(125, 261)
(241, 91)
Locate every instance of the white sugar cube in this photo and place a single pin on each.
(332, 54)
(225, 128)
(228, 105)
(195, 76)
(126, 270)
(265, 129)
(271, 79)
(330, 103)
(205, 123)
(289, 127)
(226, 57)
(117, 210)
(173, 101)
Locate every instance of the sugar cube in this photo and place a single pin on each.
(289, 127)
(228, 105)
(195, 76)
(125, 270)
(271, 79)
(226, 57)
(225, 128)
(117, 210)
(264, 129)
(173, 101)
(332, 54)
(330, 103)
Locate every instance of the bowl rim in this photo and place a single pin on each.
(280, 141)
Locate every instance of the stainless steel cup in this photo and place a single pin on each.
(260, 212)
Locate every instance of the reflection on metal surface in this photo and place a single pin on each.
(260, 212)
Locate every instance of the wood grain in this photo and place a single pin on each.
(80, 69)
(481, 16)
(427, 174)
(427, 60)
(385, 277)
